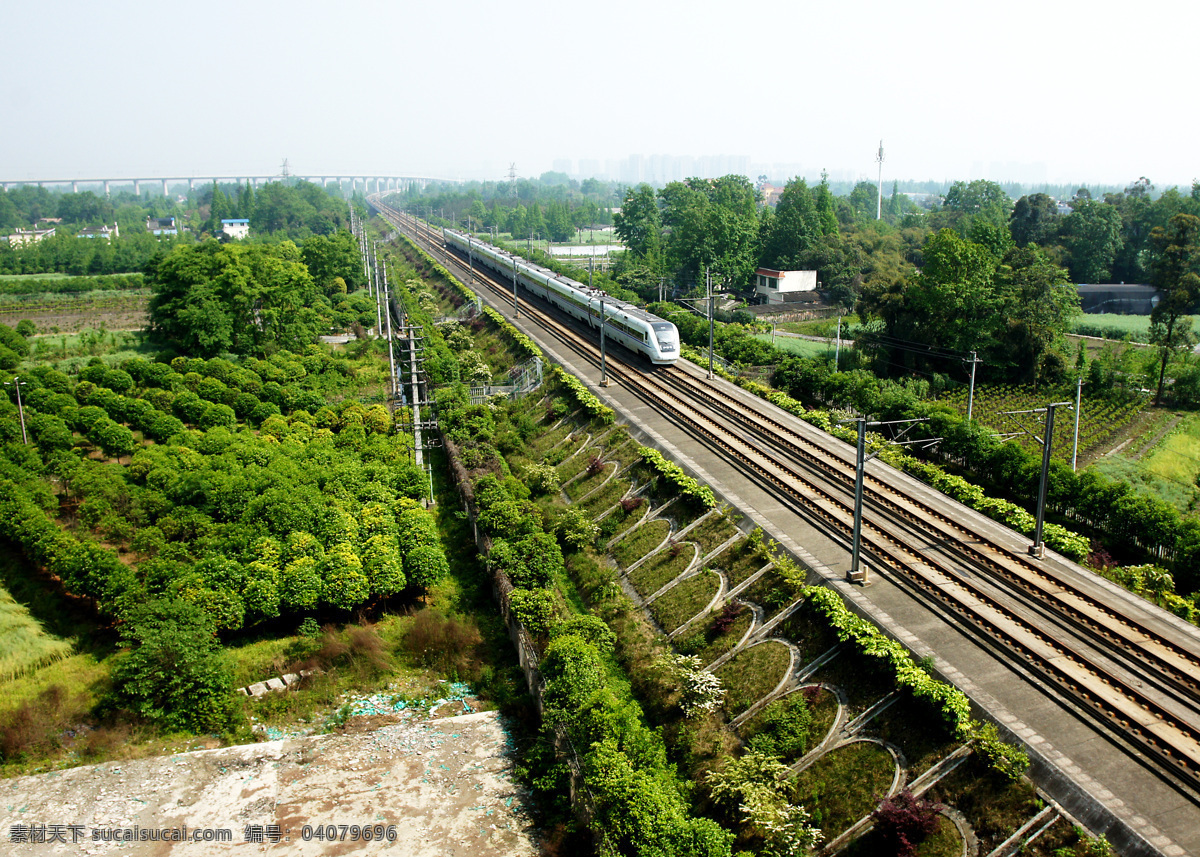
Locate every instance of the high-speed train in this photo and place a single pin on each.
(632, 326)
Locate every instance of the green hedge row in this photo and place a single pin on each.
(587, 400)
(527, 346)
(687, 486)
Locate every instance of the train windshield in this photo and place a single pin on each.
(664, 332)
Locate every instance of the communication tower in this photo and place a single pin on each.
(879, 190)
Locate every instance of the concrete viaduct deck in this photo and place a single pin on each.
(382, 183)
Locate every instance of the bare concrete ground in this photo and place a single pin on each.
(446, 785)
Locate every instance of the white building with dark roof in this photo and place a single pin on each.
(238, 227)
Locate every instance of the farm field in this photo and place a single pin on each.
(803, 347)
(1100, 420)
(50, 276)
(1112, 326)
(78, 317)
(1164, 461)
(821, 326)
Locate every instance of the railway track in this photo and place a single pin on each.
(1140, 684)
(1177, 666)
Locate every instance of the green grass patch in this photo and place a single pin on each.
(640, 542)
(580, 487)
(622, 520)
(80, 672)
(580, 454)
(916, 727)
(50, 276)
(1177, 456)
(685, 600)
(1179, 494)
(862, 680)
(821, 326)
(606, 498)
(712, 532)
(822, 707)
(750, 675)
(661, 569)
(708, 642)
(770, 592)
(843, 785)
(494, 347)
(24, 643)
(740, 560)
(994, 805)
(810, 635)
(544, 442)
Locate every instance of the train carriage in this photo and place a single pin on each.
(630, 325)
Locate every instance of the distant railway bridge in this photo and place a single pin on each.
(366, 181)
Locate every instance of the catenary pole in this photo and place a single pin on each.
(708, 281)
(856, 573)
(603, 363)
(1038, 548)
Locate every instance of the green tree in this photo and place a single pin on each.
(345, 584)
(1092, 235)
(794, 230)
(248, 299)
(823, 200)
(300, 585)
(951, 303)
(332, 257)
(1176, 274)
(1037, 302)
(713, 224)
(175, 672)
(638, 223)
(977, 199)
(1035, 219)
(864, 199)
(425, 565)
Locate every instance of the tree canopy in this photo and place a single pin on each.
(249, 299)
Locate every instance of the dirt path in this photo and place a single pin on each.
(445, 787)
(1158, 438)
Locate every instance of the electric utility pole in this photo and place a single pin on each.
(17, 383)
(971, 396)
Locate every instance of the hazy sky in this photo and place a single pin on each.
(1093, 91)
